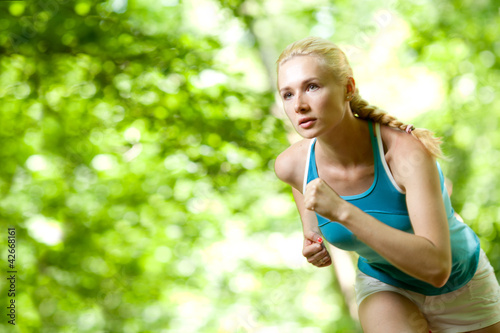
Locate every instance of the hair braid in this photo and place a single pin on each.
(362, 109)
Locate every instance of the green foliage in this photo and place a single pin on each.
(138, 141)
(465, 51)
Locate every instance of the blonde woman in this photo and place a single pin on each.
(368, 183)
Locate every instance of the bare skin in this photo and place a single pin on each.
(391, 312)
(345, 165)
(385, 312)
(318, 107)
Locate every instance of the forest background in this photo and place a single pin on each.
(138, 141)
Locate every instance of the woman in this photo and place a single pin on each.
(368, 183)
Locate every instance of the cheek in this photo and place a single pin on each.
(289, 110)
(330, 102)
(322, 103)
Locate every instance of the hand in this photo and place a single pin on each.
(322, 199)
(315, 251)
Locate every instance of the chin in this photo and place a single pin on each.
(307, 134)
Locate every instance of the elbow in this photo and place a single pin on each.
(440, 281)
(441, 275)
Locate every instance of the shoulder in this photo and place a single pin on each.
(406, 156)
(397, 141)
(290, 164)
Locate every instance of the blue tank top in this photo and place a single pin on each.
(385, 201)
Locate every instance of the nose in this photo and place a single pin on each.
(301, 104)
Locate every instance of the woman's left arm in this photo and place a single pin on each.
(426, 254)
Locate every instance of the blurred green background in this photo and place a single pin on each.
(138, 141)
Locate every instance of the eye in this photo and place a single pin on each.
(312, 86)
(287, 95)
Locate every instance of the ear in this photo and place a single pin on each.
(350, 86)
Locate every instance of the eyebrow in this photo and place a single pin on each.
(302, 83)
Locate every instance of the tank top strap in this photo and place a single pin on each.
(311, 171)
(374, 142)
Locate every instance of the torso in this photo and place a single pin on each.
(345, 182)
(348, 182)
(399, 151)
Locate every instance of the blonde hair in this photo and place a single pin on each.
(336, 61)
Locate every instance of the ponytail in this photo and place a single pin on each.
(363, 110)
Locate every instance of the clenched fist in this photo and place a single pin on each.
(315, 251)
(322, 199)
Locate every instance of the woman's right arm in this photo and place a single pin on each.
(313, 248)
(290, 170)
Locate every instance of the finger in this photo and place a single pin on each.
(310, 207)
(316, 184)
(323, 262)
(313, 184)
(318, 257)
(307, 242)
(312, 253)
(326, 264)
(326, 261)
(313, 236)
(309, 203)
(312, 250)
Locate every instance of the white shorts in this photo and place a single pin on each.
(474, 306)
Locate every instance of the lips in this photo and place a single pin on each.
(307, 122)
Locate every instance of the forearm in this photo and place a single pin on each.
(415, 255)
(310, 225)
(309, 220)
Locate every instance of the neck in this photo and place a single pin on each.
(347, 145)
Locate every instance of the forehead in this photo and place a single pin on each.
(300, 68)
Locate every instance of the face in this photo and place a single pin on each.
(313, 100)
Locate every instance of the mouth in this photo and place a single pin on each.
(307, 122)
